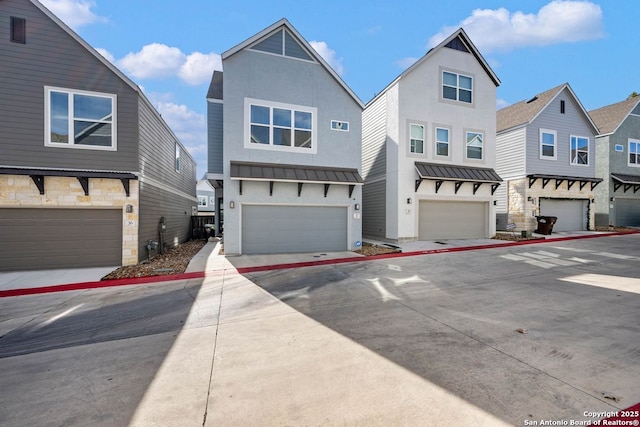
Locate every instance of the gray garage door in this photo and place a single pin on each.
(452, 220)
(572, 214)
(289, 229)
(627, 212)
(34, 239)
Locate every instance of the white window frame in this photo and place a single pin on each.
(411, 146)
(340, 125)
(457, 87)
(435, 138)
(70, 143)
(555, 144)
(177, 159)
(466, 148)
(248, 102)
(571, 162)
(637, 152)
(204, 199)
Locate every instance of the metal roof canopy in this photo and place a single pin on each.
(561, 178)
(459, 174)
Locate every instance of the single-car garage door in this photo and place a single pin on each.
(452, 220)
(572, 214)
(288, 229)
(34, 239)
(627, 212)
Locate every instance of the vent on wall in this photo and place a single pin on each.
(18, 30)
(562, 106)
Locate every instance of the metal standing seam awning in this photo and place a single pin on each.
(458, 174)
(627, 180)
(270, 172)
(38, 176)
(559, 179)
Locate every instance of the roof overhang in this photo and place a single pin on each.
(459, 174)
(38, 176)
(270, 172)
(628, 181)
(559, 179)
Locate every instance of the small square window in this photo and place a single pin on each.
(338, 125)
(619, 148)
(18, 30)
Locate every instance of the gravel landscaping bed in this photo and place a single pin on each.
(174, 261)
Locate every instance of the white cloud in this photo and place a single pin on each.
(501, 103)
(155, 61)
(106, 54)
(74, 13)
(198, 67)
(407, 62)
(328, 55)
(557, 22)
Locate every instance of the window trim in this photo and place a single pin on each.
(206, 201)
(541, 144)
(435, 139)
(466, 148)
(424, 138)
(248, 102)
(71, 92)
(177, 158)
(457, 87)
(338, 125)
(637, 152)
(571, 162)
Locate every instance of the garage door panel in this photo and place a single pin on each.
(571, 214)
(290, 229)
(60, 238)
(627, 212)
(452, 220)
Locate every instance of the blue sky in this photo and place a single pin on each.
(171, 48)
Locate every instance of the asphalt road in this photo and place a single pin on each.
(524, 333)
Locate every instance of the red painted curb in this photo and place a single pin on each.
(244, 270)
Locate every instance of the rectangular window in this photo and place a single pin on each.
(548, 144)
(634, 152)
(442, 142)
(80, 119)
(619, 148)
(579, 150)
(202, 201)
(18, 30)
(177, 164)
(474, 145)
(280, 126)
(338, 125)
(457, 87)
(417, 139)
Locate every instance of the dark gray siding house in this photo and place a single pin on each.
(87, 166)
(617, 200)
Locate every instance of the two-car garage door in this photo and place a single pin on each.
(34, 239)
(287, 229)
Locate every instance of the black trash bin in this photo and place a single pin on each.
(545, 224)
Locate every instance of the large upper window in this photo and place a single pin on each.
(457, 87)
(442, 142)
(474, 145)
(634, 152)
(80, 119)
(280, 126)
(417, 139)
(548, 144)
(579, 150)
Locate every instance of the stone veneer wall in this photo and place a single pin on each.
(522, 211)
(66, 192)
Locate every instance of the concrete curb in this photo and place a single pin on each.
(244, 270)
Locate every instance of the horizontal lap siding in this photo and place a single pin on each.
(51, 57)
(374, 158)
(214, 130)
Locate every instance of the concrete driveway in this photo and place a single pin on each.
(512, 335)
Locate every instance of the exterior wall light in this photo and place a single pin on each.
(357, 207)
(232, 205)
(409, 201)
(129, 208)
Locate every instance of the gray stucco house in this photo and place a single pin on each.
(284, 145)
(546, 155)
(618, 163)
(88, 168)
(429, 149)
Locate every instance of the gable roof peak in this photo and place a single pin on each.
(610, 117)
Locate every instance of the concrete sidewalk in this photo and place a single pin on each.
(244, 357)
